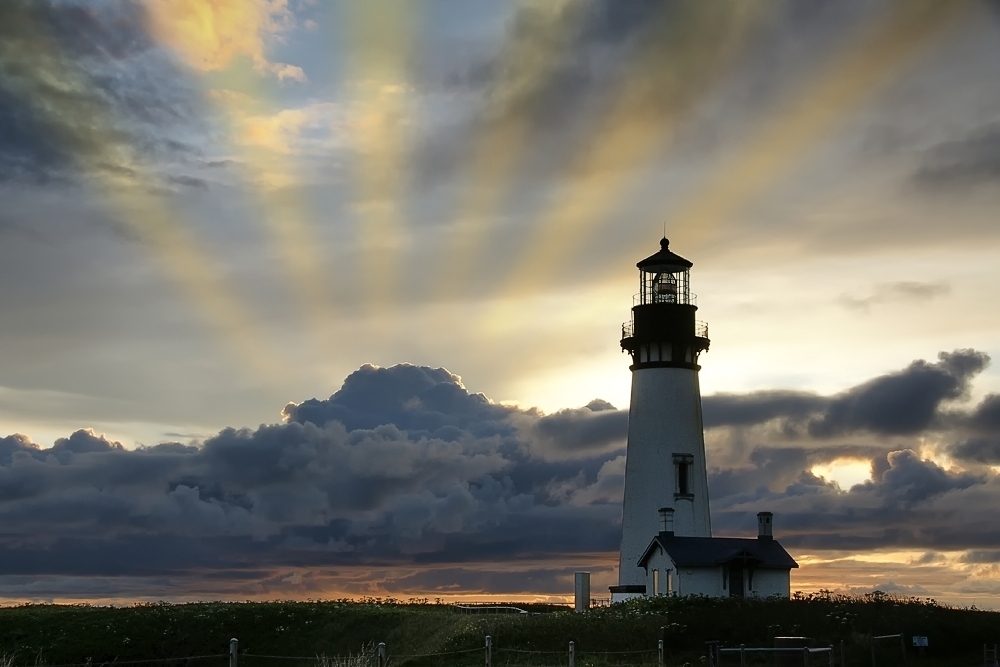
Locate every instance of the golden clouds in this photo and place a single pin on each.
(210, 34)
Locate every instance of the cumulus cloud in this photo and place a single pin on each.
(405, 467)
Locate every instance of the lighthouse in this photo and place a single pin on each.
(665, 460)
(667, 545)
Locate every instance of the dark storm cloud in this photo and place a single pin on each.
(81, 86)
(759, 407)
(901, 403)
(981, 450)
(971, 160)
(404, 465)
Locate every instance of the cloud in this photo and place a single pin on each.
(897, 291)
(81, 88)
(902, 403)
(211, 34)
(405, 468)
(972, 160)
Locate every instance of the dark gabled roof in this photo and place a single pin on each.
(664, 261)
(705, 551)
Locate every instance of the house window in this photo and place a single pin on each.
(682, 475)
(670, 582)
(656, 582)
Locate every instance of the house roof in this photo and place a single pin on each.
(705, 551)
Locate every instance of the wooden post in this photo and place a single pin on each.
(743, 655)
(873, 651)
(832, 661)
(843, 656)
(660, 661)
(572, 654)
(380, 656)
(902, 645)
(805, 656)
(489, 651)
(234, 645)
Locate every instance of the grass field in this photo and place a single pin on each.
(304, 633)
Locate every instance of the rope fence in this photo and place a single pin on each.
(379, 656)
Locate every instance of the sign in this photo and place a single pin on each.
(920, 641)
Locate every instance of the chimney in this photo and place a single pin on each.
(666, 522)
(764, 526)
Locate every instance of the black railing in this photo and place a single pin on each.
(700, 329)
(651, 298)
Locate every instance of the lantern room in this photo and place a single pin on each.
(665, 278)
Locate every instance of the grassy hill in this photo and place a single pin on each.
(296, 633)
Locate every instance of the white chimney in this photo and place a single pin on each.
(764, 526)
(666, 521)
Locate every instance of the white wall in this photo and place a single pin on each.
(664, 418)
(708, 580)
(772, 582)
(687, 581)
(702, 581)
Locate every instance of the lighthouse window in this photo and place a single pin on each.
(682, 475)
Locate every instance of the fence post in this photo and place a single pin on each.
(843, 656)
(805, 656)
(873, 651)
(660, 660)
(380, 656)
(572, 654)
(832, 661)
(234, 645)
(489, 651)
(743, 655)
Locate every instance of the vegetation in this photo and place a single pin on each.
(331, 634)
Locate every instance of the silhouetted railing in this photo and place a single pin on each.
(700, 329)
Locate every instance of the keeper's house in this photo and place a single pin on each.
(716, 566)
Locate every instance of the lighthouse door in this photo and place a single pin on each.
(735, 580)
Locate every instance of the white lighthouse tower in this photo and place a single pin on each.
(665, 461)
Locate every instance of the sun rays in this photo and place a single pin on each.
(676, 58)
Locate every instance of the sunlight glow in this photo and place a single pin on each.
(845, 473)
(210, 34)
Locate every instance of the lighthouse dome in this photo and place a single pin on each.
(664, 261)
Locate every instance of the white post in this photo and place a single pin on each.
(489, 651)
(380, 656)
(660, 660)
(743, 655)
(581, 581)
(572, 654)
(234, 645)
(805, 656)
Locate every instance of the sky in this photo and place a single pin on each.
(309, 299)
